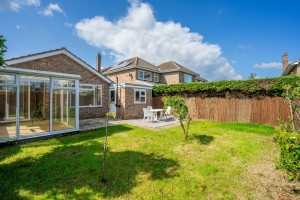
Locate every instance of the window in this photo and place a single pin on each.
(187, 78)
(156, 77)
(144, 75)
(90, 95)
(139, 96)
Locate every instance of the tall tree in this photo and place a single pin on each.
(3, 49)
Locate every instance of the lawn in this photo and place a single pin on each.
(218, 161)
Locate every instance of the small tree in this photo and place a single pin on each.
(3, 49)
(178, 105)
(108, 115)
(292, 95)
(252, 76)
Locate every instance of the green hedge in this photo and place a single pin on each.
(240, 88)
(290, 154)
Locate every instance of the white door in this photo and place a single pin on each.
(112, 100)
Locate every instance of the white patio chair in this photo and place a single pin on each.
(148, 115)
(167, 114)
(149, 108)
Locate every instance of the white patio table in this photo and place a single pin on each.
(157, 111)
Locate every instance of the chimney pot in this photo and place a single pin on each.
(285, 61)
(98, 62)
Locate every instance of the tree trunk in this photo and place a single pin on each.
(182, 126)
(104, 152)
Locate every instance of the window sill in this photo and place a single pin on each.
(139, 102)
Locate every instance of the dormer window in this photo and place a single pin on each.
(144, 75)
(187, 78)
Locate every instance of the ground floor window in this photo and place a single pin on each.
(90, 95)
(139, 96)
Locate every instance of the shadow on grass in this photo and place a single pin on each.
(204, 139)
(73, 171)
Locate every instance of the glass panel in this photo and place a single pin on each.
(34, 105)
(63, 113)
(156, 77)
(7, 105)
(143, 99)
(143, 93)
(112, 96)
(86, 87)
(98, 95)
(148, 76)
(137, 96)
(64, 83)
(187, 78)
(86, 97)
(141, 74)
(4, 78)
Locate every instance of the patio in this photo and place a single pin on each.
(89, 124)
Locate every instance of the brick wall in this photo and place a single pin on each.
(126, 76)
(63, 64)
(130, 110)
(170, 78)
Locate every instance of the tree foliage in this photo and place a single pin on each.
(178, 105)
(3, 50)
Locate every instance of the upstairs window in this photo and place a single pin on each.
(187, 78)
(144, 75)
(156, 77)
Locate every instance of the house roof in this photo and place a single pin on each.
(289, 68)
(130, 63)
(56, 52)
(173, 66)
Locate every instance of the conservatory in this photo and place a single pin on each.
(37, 103)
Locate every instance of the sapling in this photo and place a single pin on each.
(107, 115)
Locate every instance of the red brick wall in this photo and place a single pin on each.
(63, 64)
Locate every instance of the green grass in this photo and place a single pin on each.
(142, 164)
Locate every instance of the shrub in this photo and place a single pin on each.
(240, 88)
(289, 154)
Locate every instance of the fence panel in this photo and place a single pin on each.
(249, 110)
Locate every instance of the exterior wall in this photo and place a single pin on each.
(63, 64)
(130, 110)
(126, 76)
(170, 78)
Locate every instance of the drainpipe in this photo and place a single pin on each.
(117, 96)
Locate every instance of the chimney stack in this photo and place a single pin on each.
(98, 62)
(285, 61)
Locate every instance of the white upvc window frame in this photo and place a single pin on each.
(94, 94)
(185, 74)
(140, 91)
(143, 75)
(156, 77)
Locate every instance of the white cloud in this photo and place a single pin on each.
(16, 5)
(271, 65)
(140, 34)
(18, 27)
(52, 7)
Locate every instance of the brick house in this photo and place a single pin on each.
(135, 78)
(289, 68)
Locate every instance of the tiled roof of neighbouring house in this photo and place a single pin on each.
(171, 65)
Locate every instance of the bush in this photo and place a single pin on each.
(289, 154)
(240, 88)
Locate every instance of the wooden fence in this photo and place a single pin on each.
(266, 110)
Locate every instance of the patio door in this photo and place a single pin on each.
(112, 100)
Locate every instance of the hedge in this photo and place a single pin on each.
(234, 88)
(290, 154)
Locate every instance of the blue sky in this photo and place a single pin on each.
(218, 39)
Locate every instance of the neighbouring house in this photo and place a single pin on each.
(49, 92)
(290, 68)
(135, 78)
